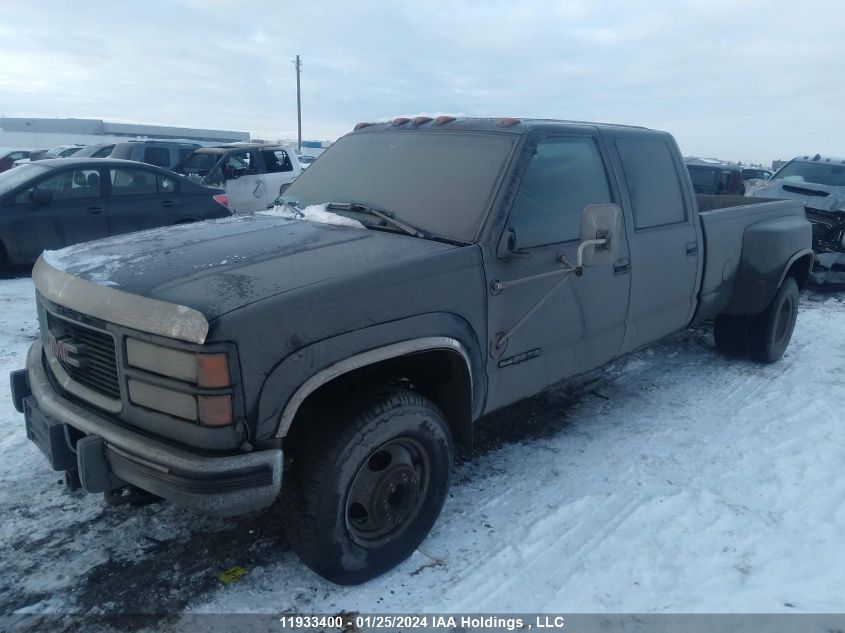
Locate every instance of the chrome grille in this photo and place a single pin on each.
(87, 355)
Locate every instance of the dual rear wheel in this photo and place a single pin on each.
(765, 336)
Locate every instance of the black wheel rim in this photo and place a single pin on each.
(387, 492)
(784, 319)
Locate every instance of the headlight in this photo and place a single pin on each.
(209, 371)
(206, 371)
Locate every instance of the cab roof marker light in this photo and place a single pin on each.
(361, 125)
(508, 121)
(422, 119)
(400, 121)
(441, 120)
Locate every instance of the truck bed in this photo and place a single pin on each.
(745, 241)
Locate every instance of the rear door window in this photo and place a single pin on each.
(159, 156)
(166, 184)
(653, 183)
(132, 182)
(563, 176)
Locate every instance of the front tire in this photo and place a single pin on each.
(364, 490)
(771, 330)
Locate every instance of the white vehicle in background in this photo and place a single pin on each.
(63, 151)
(252, 174)
(305, 161)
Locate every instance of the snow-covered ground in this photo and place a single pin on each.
(678, 481)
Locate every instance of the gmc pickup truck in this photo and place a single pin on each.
(333, 352)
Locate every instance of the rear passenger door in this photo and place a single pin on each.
(141, 199)
(244, 180)
(664, 237)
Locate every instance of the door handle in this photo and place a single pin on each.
(692, 248)
(95, 209)
(622, 266)
(167, 203)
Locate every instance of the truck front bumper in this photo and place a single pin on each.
(108, 454)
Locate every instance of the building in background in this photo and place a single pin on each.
(30, 133)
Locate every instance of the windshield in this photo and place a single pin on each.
(12, 178)
(821, 173)
(439, 182)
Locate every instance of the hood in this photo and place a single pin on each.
(218, 266)
(810, 194)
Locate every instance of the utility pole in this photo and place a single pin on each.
(298, 63)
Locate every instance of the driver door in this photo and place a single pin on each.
(245, 184)
(569, 325)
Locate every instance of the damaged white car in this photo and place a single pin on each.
(819, 183)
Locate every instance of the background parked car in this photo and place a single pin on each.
(714, 177)
(160, 153)
(53, 203)
(755, 173)
(818, 182)
(64, 151)
(7, 160)
(253, 175)
(100, 150)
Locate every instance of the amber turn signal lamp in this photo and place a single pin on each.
(213, 371)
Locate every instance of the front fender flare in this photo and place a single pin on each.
(305, 370)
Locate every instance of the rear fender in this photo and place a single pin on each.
(770, 249)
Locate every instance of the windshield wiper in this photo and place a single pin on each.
(382, 215)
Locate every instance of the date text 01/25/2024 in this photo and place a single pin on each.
(446, 622)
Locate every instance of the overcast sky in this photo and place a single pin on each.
(737, 79)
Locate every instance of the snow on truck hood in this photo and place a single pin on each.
(172, 281)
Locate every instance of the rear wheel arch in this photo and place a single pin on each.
(799, 268)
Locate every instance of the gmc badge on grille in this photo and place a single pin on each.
(68, 352)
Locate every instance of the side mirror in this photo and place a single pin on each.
(507, 246)
(601, 232)
(40, 197)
